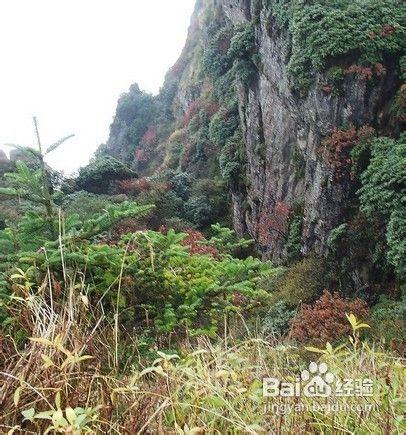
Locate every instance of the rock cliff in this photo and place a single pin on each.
(282, 159)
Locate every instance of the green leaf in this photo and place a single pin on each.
(16, 396)
(215, 401)
(352, 319)
(28, 414)
(58, 419)
(70, 415)
(58, 400)
(362, 325)
(47, 361)
(167, 357)
(315, 349)
(43, 341)
(158, 369)
(58, 143)
(45, 415)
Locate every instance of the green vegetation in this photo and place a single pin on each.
(98, 175)
(383, 194)
(321, 34)
(129, 305)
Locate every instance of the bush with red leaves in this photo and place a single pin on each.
(150, 137)
(191, 112)
(187, 156)
(366, 72)
(338, 148)
(326, 320)
(387, 30)
(195, 243)
(140, 155)
(135, 186)
(273, 225)
(211, 108)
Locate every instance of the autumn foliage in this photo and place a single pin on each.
(195, 242)
(150, 137)
(366, 72)
(191, 112)
(273, 225)
(195, 106)
(338, 146)
(326, 320)
(140, 155)
(135, 186)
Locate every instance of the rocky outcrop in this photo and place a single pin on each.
(293, 169)
(286, 169)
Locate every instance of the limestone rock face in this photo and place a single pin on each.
(283, 129)
(290, 128)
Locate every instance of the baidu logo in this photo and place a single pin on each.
(317, 381)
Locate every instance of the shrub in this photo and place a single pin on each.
(226, 241)
(215, 60)
(302, 282)
(206, 202)
(325, 320)
(199, 211)
(85, 204)
(242, 44)
(366, 73)
(277, 319)
(358, 245)
(150, 137)
(98, 175)
(294, 239)
(232, 159)
(339, 146)
(198, 245)
(222, 127)
(192, 110)
(167, 204)
(383, 195)
(323, 31)
(273, 225)
(244, 70)
(388, 321)
(135, 186)
(177, 224)
(176, 289)
(399, 104)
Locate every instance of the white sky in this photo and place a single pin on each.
(68, 61)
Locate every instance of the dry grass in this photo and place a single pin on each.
(75, 360)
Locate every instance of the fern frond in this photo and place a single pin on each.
(58, 143)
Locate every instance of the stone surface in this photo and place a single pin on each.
(293, 127)
(282, 130)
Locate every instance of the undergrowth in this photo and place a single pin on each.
(81, 371)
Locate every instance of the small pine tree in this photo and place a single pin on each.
(33, 185)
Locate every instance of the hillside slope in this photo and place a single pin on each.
(275, 100)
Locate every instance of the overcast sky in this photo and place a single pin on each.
(68, 61)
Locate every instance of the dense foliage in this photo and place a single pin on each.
(320, 34)
(128, 305)
(98, 175)
(383, 194)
